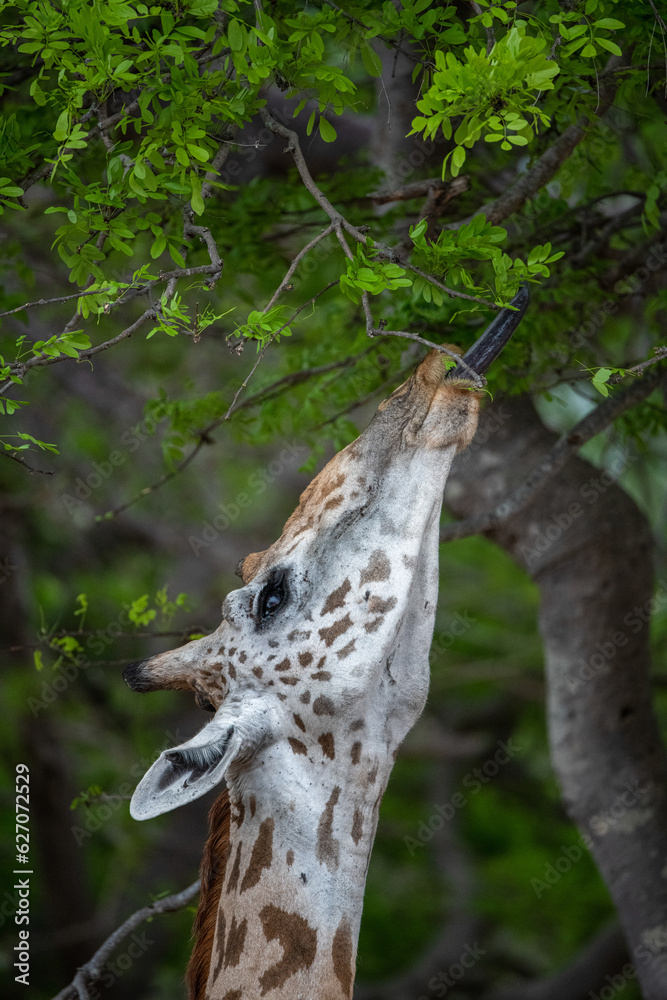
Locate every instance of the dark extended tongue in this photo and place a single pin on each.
(485, 350)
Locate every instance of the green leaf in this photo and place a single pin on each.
(371, 60)
(327, 131)
(605, 43)
(159, 246)
(196, 199)
(601, 378)
(237, 36)
(62, 127)
(609, 22)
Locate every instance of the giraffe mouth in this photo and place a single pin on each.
(485, 350)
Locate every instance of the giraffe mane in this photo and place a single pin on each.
(213, 867)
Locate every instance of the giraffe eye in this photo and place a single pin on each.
(272, 596)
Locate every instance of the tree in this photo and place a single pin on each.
(229, 226)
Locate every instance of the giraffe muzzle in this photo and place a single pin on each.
(485, 350)
(137, 678)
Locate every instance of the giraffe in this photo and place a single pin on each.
(316, 674)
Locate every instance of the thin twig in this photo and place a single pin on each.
(273, 336)
(294, 148)
(452, 292)
(660, 355)
(42, 359)
(553, 462)
(377, 331)
(247, 379)
(295, 263)
(658, 16)
(88, 974)
(490, 36)
(51, 302)
(21, 461)
(473, 375)
(339, 221)
(46, 641)
(418, 189)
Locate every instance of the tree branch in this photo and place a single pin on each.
(604, 956)
(381, 332)
(660, 355)
(15, 457)
(92, 971)
(419, 189)
(449, 291)
(490, 36)
(23, 367)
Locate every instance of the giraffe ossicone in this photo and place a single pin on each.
(316, 673)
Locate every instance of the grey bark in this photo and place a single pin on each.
(600, 964)
(588, 548)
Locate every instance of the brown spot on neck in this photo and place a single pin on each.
(329, 635)
(297, 939)
(236, 870)
(326, 741)
(231, 949)
(336, 598)
(342, 953)
(357, 826)
(378, 568)
(324, 706)
(378, 606)
(213, 869)
(346, 650)
(328, 848)
(261, 855)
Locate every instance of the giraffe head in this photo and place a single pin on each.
(323, 653)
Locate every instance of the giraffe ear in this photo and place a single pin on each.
(184, 773)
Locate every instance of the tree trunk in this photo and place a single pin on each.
(588, 548)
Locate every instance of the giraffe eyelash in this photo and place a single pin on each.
(272, 596)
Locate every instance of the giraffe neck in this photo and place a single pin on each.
(291, 897)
